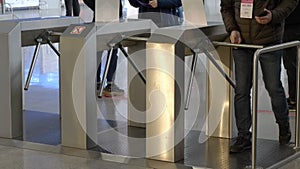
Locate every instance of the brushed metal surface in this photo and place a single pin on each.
(220, 121)
(11, 121)
(194, 12)
(107, 11)
(12, 39)
(78, 106)
(81, 49)
(46, 22)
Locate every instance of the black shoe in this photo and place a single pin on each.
(284, 133)
(241, 144)
(291, 104)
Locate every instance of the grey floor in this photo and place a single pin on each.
(42, 97)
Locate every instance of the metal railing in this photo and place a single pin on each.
(262, 50)
(257, 54)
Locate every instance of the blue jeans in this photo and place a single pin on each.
(112, 67)
(271, 68)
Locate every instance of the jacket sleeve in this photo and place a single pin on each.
(169, 3)
(228, 15)
(134, 3)
(283, 10)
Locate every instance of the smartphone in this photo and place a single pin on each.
(264, 13)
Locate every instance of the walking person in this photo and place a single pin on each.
(259, 22)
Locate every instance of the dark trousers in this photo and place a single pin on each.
(112, 67)
(72, 6)
(291, 32)
(271, 68)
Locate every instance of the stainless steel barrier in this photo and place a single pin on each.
(15, 34)
(191, 78)
(77, 71)
(106, 69)
(261, 50)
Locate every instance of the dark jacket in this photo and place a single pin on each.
(294, 18)
(252, 32)
(168, 7)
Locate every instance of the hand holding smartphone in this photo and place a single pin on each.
(264, 13)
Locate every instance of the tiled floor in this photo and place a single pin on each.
(43, 96)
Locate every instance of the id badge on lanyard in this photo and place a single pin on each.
(246, 9)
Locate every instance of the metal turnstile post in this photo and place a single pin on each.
(11, 121)
(191, 79)
(78, 105)
(36, 52)
(43, 37)
(298, 104)
(106, 70)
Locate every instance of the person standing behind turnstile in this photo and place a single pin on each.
(72, 6)
(258, 22)
(111, 89)
(162, 12)
(291, 32)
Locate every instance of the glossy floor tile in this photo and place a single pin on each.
(16, 158)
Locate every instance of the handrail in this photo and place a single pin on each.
(257, 54)
(261, 50)
(237, 45)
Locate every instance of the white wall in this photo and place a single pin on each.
(52, 4)
(22, 3)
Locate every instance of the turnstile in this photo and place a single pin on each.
(15, 34)
(81, 109)
(78, 72)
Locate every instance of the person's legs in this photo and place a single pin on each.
(271, 69)
(98, 74)
(112, 66)
(291, 33)
(243, 59)
(76, 8)
(111, 88)
(243, 75)
(68, 6)
(290, 60)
